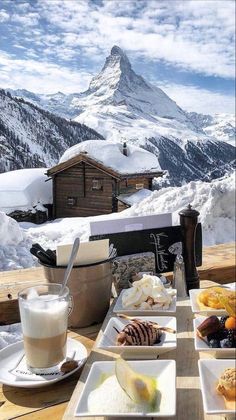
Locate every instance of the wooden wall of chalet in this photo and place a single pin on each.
(122, 206)
(132, 185)
(77, 183)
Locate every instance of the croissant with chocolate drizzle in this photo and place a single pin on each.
(140, 333)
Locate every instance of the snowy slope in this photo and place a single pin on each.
(219, 126)
(215, 201)
(32, 137)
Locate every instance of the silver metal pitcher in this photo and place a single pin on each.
(90, 288)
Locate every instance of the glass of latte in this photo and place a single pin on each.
(44, 317)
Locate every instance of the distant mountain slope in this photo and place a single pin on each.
(31, 137)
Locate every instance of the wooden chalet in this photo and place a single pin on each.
(83, 186)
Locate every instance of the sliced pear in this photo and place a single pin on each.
(142, 389)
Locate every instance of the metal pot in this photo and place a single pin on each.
(90, 288)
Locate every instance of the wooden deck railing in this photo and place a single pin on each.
(218, 265)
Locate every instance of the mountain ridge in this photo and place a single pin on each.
(123, 106)
(32, 137)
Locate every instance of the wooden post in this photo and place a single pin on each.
(188, 223)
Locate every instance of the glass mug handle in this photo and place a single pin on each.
(71, 305)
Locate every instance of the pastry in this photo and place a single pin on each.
(227, 387)
(208, 298)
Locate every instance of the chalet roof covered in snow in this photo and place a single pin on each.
(111, 156)
(24, 188)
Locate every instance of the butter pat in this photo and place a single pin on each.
(89, 252)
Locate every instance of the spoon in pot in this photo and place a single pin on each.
(73, 254)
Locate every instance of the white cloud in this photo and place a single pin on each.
(192, 35)
(193, 98)
(4, 16)
(40, 77)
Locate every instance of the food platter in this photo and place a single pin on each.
(193, 294)
(201, 345)
(119, 308)
(210, 372)
(108, 338)
(164, 370)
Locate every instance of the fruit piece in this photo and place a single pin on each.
(140, 388)
(230, 323)
(208, 326)
(226, 343)
(222, 320)
(219, 335)
(214, 343)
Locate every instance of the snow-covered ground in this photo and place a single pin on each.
(215, 201)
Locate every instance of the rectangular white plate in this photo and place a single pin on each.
(168, 340)
(163, 370)
(119, 309)
(193, 294)
(200, 345)
(210, 370)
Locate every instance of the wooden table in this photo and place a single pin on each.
(52, 401)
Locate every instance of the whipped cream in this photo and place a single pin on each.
(148, 293)
(43, 316)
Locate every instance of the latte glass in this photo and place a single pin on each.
(44, 319)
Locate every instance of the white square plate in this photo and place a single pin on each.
(210, 371)
(193, 294)
(168, 340)
(119, 309)
(163, 370)
(200, 345)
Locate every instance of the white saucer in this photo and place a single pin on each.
(12, 354)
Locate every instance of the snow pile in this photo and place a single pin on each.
(10, 231)
(111, 155)
(215, 201)
(134, 198)
(24, 189)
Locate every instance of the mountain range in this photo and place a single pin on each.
(121, 106)
(32, 137)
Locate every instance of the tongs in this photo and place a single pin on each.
(45, 257)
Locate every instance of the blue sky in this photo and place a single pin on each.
(186, 47)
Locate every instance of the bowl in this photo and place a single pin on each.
(168, 342)
(163, 370)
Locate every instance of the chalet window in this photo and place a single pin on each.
(71, 201)
(97, 184)
(139, 186)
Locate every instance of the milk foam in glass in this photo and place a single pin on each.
(44, 317)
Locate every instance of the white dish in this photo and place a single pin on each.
(108, 338)
(12, 354)
(163, 370)
(119, 309)
(210, 371)
(193, 294)
(200, 345)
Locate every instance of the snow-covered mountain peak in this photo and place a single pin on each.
(116, 68)
(118, 85)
